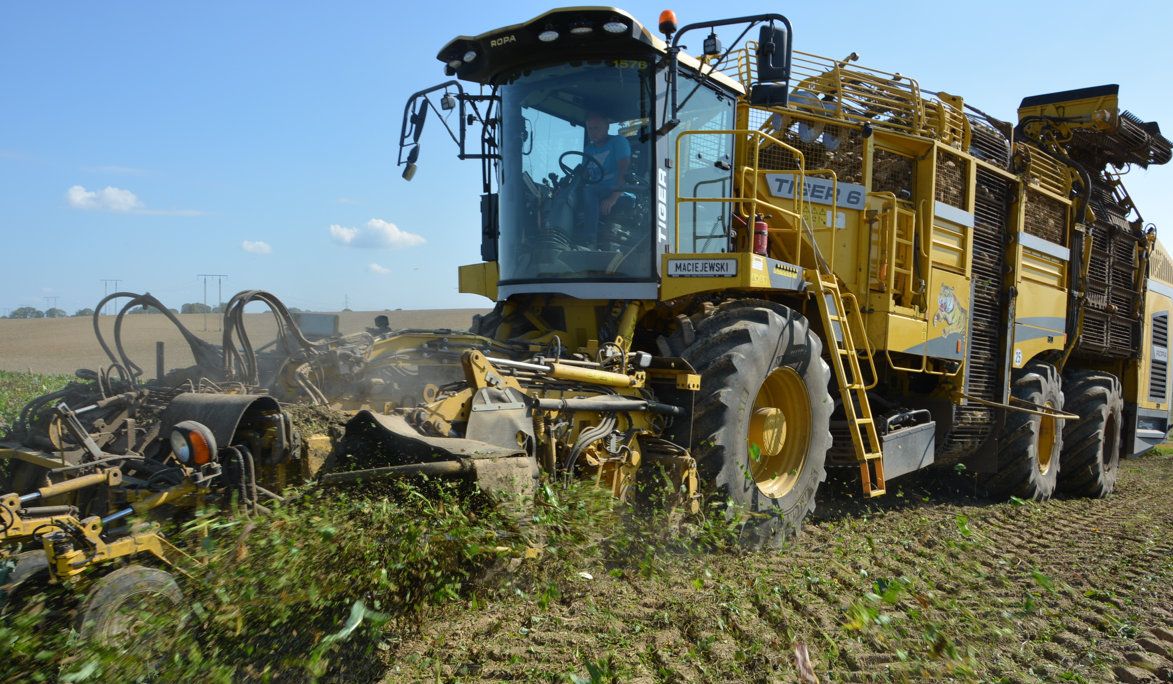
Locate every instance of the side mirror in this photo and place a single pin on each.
(773, 54)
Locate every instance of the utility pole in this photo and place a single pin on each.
(50, 303)
(220, 283)
(106, 290)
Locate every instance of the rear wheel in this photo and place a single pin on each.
(1028, 460)
(1091, 445)
(760, 429)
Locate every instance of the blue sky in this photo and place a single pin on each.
(149, 142)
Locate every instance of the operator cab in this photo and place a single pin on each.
(560, 213)
(553, 178)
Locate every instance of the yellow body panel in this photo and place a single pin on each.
(949, 326)
(480, 279)
(1154, 353)
(1040, 315)
(686, 274)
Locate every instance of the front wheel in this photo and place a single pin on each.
(761, 425)
(121, 605)
(1091, 445)
(1028, 458)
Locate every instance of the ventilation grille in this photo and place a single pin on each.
(1159, 368)
(1112, 313)
(988, 143)
(991, 206)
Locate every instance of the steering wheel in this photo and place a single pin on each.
(587, 160)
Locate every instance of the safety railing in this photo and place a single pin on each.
(795, 212)
(845, 91)
(895, 266)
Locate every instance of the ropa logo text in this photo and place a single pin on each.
(503, 40)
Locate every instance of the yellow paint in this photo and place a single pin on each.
(1154, 303)
(1031, 348)
(479, 279)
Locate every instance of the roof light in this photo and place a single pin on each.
(470, 56)
(712, 45)
(549, 35)
(581, 28)
(455, 64)
(615, 26)
(667, 22)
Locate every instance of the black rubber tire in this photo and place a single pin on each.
(1027, 467)
(118, 602)
(28, 568)
(737, 350)
(1091, 445)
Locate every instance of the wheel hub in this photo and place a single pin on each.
(1047, 436)
(779, 432)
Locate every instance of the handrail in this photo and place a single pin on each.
(754, 170)
(866, 340)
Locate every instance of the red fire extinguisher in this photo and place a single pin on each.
(761, 235)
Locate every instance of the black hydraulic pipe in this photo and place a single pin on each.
(434, 468)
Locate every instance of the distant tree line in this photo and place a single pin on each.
(189, 308)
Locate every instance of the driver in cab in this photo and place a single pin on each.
(613, 154)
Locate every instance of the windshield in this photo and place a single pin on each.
(574, 175)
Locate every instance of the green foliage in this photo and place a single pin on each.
(299, 594)
(18, 389)
(27, 312)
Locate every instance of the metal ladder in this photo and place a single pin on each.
(839, 315)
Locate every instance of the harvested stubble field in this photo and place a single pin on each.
(63, 345)
(929, 583)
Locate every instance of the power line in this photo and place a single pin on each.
(220, 283)
(106, 290)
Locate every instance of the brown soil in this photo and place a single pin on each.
(63, 345)
(927, 584)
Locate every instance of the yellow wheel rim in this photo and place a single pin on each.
(779, 432)
(1047, 436)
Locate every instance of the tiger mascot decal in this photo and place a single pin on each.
(949, 312)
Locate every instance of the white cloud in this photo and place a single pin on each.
(257, 247)
(118, 200)
(343, 235)
(107, 199)
(377, 234)
(347, 200)
(377, 269)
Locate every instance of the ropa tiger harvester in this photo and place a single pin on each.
(801, 263)
(715, 277)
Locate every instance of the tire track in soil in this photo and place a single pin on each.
(1106, 615)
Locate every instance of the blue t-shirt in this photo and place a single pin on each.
(614, 148)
